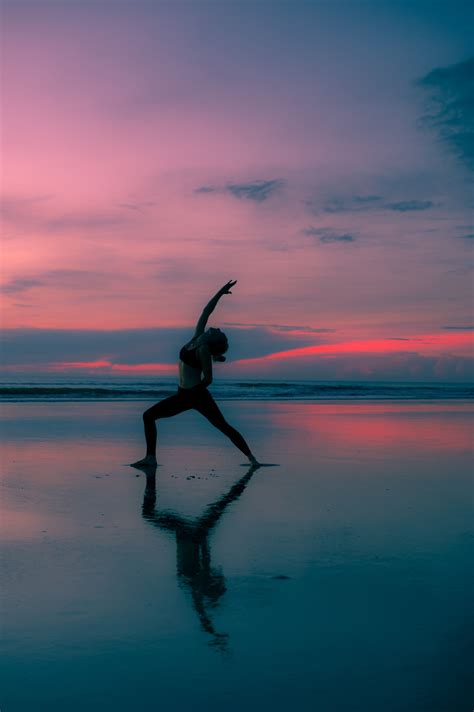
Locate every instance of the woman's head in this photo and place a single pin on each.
(217, 343)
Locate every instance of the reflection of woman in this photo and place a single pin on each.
(196, 357)
(205, 582)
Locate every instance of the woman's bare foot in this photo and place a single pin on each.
(147, 461)
(254, 463)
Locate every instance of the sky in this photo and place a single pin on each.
(321, 153)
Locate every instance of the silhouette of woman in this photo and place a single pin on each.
(196, 357)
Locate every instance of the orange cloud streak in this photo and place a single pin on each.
(426, 343)
(108, 366)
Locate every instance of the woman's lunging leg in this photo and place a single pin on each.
(149, 425)
(207, 406)
(164, 409)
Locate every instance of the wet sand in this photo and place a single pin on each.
(339, 580)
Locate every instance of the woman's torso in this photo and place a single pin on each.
(190, 373)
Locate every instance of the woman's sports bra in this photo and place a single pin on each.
(190, 358)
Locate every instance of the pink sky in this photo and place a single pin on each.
(151, 152)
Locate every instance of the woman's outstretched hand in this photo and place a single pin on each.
(227, 287)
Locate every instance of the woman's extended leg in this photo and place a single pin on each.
(164, 409)
(207, 406)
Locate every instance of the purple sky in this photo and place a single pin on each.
(320, 153)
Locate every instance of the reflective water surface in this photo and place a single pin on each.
(339, 580)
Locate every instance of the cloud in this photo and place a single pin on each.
(469, 236)
(206, 189)
(336, 205)
(351, 204)
(366, 198)
(258, 190)
(38, 213)
(337, 238)
(22, 211)
(84, 221)
(327, 235)
(340, 203)
(68, 278)
(74, 278)
(425, 356)
(423, 343)
(400, 367)
(469, 327)
(10, 205)
(280, 327)
(21, 284)
(450, 107)
(139, 207)
(406, 205)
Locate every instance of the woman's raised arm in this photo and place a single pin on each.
(209, 308)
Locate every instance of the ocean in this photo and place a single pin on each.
(93, 389)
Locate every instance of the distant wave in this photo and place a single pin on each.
(77, 391)
(236, 390)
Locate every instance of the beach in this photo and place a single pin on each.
(338, 579)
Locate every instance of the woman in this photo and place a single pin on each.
(196, 357)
